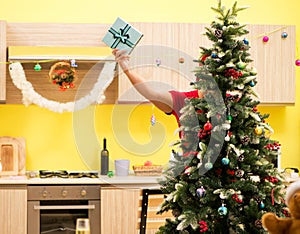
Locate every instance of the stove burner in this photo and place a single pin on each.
(83, 174)
(65, 174)
(50, 174)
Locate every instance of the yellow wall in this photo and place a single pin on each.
(67, 141)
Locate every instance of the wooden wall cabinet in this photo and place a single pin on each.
(157, 59)
(13, 209)
(157, 56)
(55, 36)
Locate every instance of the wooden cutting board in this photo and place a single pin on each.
(12, 155)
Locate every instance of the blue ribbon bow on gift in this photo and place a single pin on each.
(121, 36)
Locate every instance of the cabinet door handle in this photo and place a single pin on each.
(74, 207)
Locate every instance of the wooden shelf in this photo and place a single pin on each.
(40, 53)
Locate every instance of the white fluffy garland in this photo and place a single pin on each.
(30, 96)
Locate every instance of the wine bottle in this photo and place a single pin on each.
(104, 159)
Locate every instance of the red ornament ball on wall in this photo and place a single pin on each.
(297, 62)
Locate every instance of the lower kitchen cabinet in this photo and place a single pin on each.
(119, 210)
(13, 209)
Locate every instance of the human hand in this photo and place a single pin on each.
(122, 58)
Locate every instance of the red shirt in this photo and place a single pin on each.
(178, 101)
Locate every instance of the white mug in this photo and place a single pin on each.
(122, 167)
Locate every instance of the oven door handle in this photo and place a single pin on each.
(73, 207)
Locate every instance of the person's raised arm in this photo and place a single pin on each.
(161, 99)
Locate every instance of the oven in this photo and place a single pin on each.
(54, 209)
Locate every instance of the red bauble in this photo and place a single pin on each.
(207, 126)
(204, 57)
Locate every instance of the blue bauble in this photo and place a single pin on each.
(222, 210)
(246, 42)
(214, 55)
(284, 35)
(261, 205)
(225, 161)
(252, 84)
(208, 166)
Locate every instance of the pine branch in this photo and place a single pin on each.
(219, 9)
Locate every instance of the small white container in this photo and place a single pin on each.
(122, 167)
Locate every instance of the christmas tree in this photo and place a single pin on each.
(222, 178)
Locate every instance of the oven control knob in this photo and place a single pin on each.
(44, 193)
(64, 193)
(83, 192)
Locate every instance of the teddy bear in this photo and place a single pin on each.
(290, 225)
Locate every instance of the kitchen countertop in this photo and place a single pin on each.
(130, 181)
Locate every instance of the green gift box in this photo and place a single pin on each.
(122, 35)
